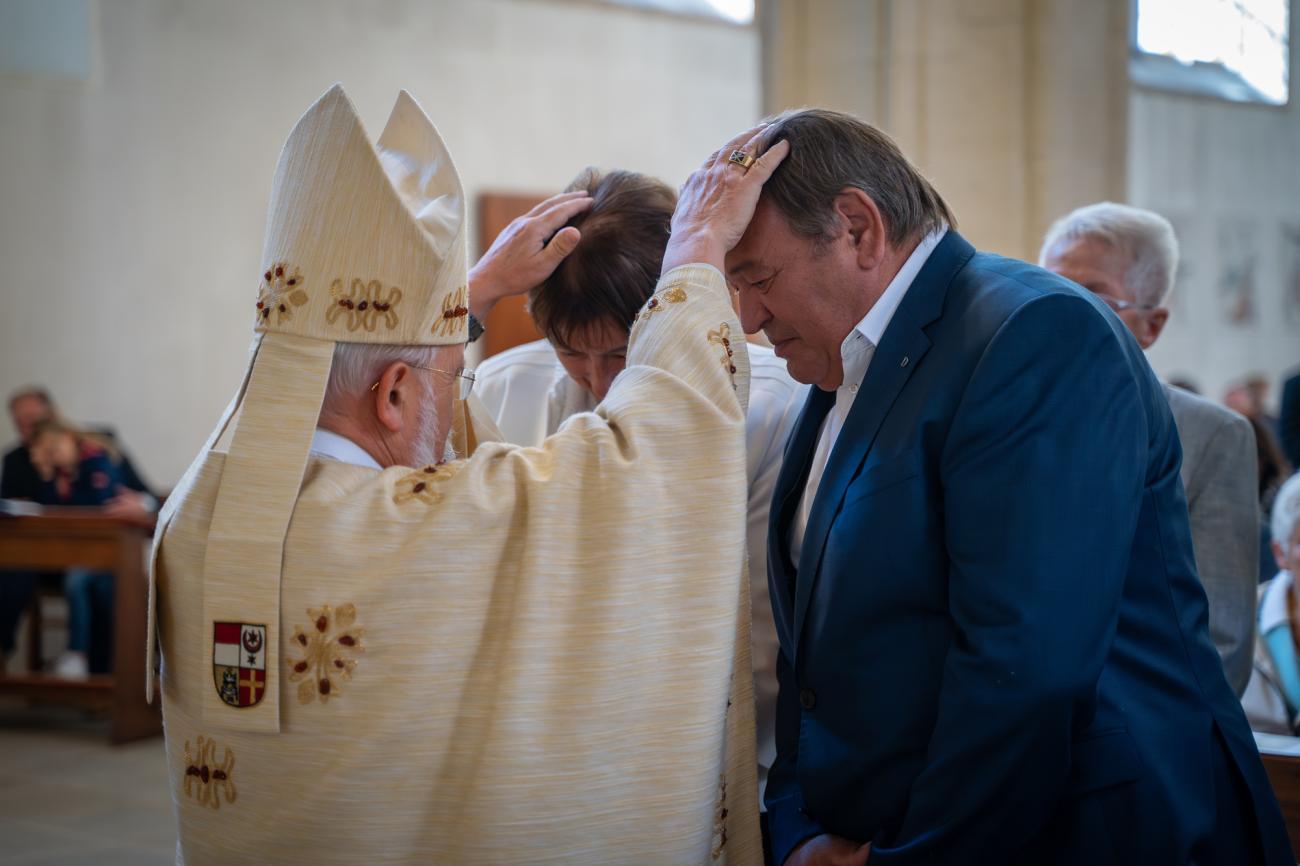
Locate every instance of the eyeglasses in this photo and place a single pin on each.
(1119, 305)
(464, 377)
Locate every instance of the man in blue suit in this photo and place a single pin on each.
(993, 640)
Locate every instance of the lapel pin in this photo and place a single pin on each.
(904, 364)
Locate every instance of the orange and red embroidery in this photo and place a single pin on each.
(325, 646)
(722, 337)
(720, 813)
(420, 484)
(364, 304)
(671, 295)
(205, 779)
(281, 291)
(454, 313)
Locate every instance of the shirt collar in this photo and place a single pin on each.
(1272, 609)
(873, 324)
(332, 446)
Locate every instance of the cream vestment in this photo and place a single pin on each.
(534, 655)
(528, 395)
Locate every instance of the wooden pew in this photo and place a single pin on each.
(62, 538)
(1281, 757)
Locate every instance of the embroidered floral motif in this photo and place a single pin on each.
(325, 645)
(720, 819)
(365, 304)
(419, 484)
(672, 295)
(205, 779)
(453, 312)
(722, 337)
(281, 291)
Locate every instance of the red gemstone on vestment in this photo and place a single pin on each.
(322, 623)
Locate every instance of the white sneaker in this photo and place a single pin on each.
(72, 666)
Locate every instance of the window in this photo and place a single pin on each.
(1232, 49)
(735, 11)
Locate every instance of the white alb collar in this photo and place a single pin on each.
(332, 446)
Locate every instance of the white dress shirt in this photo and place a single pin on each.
(528, 394)
(332, 446)
(855, 353)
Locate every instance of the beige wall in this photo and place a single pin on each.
(1021, 110)
(132, 207)
(1015, 109)
(1228, 176)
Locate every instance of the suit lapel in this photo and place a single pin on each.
(785, 501)
(900, 352)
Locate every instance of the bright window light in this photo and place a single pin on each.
(1238, 48)
(735, 11)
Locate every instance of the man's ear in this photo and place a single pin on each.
(390, 395)
(864, 225)
(1156, 320)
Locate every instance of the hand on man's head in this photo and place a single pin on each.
(527, 252)
(717, 201)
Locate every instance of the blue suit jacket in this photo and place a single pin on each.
(994, 645)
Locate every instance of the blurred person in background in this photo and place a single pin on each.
(19, 479)
(1272, 700)
(1289, 422)
(1127, 257)
(76, 468)
(1274, 469)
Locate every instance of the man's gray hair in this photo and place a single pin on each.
(1143, 237)
(830, 151)
(1286, 511)
(357, 366)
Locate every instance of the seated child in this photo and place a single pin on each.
(77, 469)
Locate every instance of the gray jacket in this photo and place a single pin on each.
(1221, 477)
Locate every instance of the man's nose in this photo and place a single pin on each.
(602, 377)
(753, 315)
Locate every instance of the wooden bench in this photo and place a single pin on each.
(63, 538)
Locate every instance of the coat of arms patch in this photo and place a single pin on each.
(239, 662)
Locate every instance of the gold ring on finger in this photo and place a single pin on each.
(742, 159)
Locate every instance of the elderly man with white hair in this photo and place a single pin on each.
(1128, 256)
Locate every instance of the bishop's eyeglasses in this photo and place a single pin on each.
(463, 375)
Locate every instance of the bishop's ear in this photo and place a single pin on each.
(391, 394)
(864, 227)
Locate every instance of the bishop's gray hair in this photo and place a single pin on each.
(1143, 237)
(357, 366)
